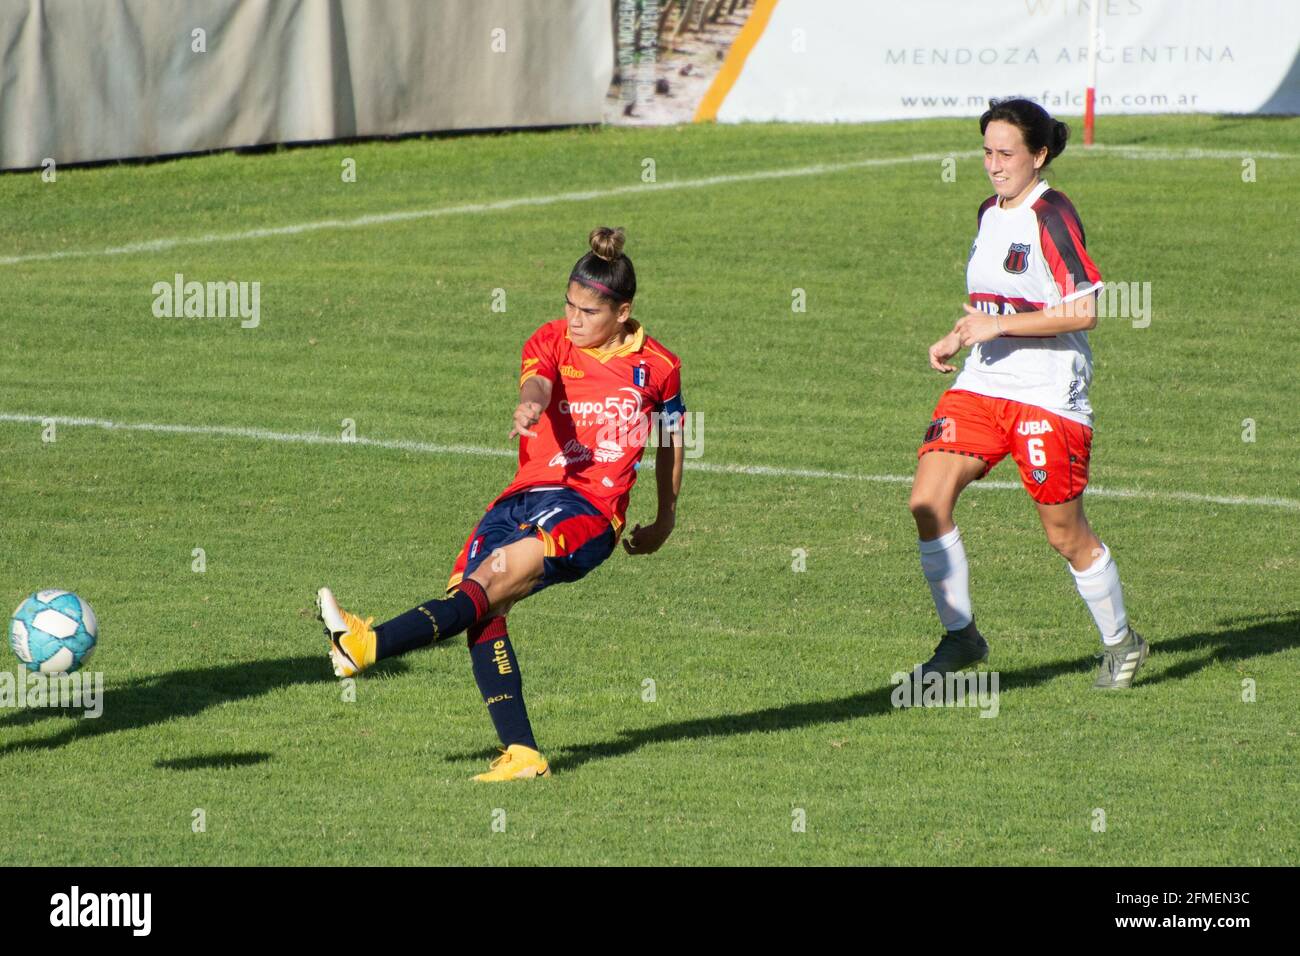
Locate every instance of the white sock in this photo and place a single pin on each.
(943, 562)
(1100, 590)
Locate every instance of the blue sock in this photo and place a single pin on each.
(432, 621)
(496, 669)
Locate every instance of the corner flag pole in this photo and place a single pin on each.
(1090, 98)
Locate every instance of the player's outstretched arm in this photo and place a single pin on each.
(669, 459)
(534, 397)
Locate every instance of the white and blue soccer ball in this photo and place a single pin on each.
(53, 632)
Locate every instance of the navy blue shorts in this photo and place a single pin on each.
(577, 537)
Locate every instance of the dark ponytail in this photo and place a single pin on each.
(605, 270)
(1036, 125)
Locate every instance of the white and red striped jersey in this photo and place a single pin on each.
(1025, 260)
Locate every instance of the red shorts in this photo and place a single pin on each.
(1052, 451)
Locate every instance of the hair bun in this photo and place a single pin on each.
(607, 243)
(1060, 135)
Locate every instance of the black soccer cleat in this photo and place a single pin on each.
(957, 651)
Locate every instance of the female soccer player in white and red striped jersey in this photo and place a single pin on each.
(1023, 391)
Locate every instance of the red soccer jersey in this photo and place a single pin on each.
(595, 430)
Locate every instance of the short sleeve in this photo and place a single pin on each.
(1061, 236)
(539, 356)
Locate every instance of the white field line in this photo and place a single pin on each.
(378, 219)
(428, 448)
(410, 215)
(1166, 152)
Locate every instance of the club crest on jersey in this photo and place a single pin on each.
(1017, 260)
(640, 375)
(1039, 475)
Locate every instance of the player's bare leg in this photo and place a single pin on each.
(511, 573)
(1070, 534)
(1097, 579)
(940, 479)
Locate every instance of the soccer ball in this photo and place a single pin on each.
(53, 632)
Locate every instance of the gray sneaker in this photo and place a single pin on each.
(1120, 663)
(957, 651)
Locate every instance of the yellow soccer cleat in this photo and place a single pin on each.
(352, 640)
(516, 762)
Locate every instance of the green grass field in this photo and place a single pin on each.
(772, 686)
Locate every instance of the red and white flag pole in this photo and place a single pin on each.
(1090, 98)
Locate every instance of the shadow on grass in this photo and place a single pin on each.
(1250, 638)
(153, 700)
(224, 761)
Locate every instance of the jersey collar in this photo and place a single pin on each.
(1032, 198)
(629, 347)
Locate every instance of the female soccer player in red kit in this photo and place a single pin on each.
(1023, 391)
(592, 389)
